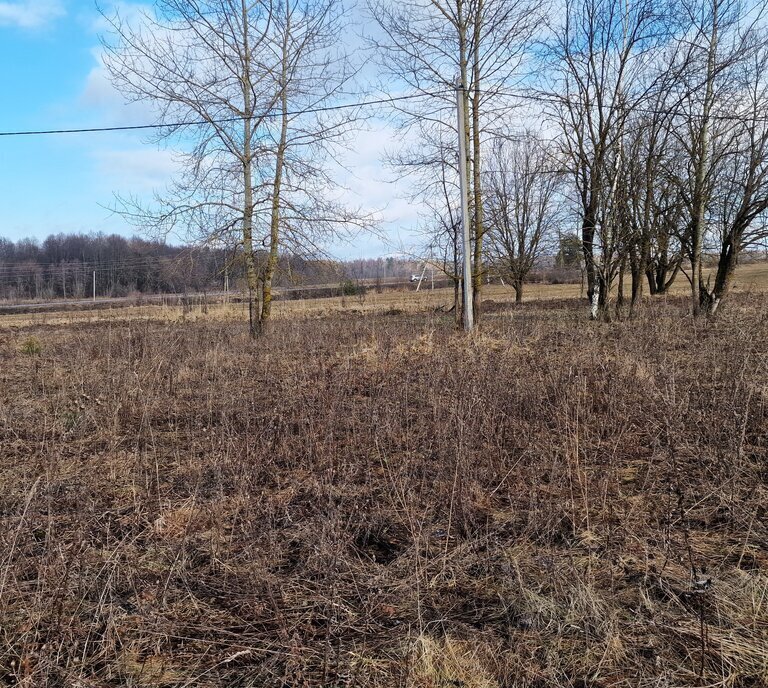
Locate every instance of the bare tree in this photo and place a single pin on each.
(429, 45)
(650, 203)
(444, 223)
(721, 57)
(522, 208)
(224, 77)
(311, 70)
(740, 184)
(200, 64)
(599, 62)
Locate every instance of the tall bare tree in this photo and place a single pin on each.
(599, 62)
(311, 71)
(653, 207)
(721, 66)
(200, 64)
(739, 203)
(229, 81)
(429, 45)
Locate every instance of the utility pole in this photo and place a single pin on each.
(94, 286)
(421, 277)
(469, 318)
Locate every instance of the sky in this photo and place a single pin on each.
(51, 78)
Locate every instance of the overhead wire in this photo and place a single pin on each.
(645, 110)
(555, 100)
(223, 120)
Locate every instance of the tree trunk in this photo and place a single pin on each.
(701, 164)
(729, 258)
(601, 294)
(247, 162)
(637, 269)
(250, 262)
(463, 68)
(657, 270)
(587, 245)
(620, 294)
(666, 280)
(274, 224)
(697, 281)
(650, 275)
(517, 285)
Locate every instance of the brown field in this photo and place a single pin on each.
(369, 498)
(750, 278)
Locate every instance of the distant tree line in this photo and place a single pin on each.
(63, 266)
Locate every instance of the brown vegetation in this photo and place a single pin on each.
(751, 277)
(378, 500)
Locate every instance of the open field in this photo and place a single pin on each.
(750, 278)
(370, 498)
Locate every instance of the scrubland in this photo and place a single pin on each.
(367, 497)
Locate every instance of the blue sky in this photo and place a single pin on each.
(51, 78)
(48, 49)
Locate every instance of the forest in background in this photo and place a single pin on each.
(63, 266)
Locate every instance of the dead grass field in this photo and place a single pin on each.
(751, 278)
(370, 498)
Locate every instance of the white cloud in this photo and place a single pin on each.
(369, 185)
(100, 97)
(30, 14)
(98, 91)
(135, 170)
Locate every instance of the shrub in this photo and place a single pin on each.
(351, 288)
(31, 346)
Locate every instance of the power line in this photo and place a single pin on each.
(641, 109)
(225, 120)
(109, 263)
(553, 100)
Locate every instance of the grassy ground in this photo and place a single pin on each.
(751, 278)
(374, 499)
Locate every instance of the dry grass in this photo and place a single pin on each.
(382, 501)
(750, 278)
